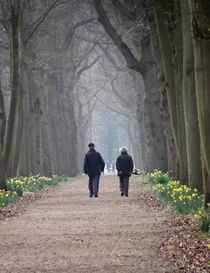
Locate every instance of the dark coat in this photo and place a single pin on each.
(124, 164)
(93, 163)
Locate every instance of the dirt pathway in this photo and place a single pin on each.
(70, 232)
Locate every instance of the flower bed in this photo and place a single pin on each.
(184, 199)
(18, 186)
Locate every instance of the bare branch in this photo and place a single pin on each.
(79, 73)
(106, 53)
(126, 12)
(93, 96)
(85, 56)
(117, 94)
(108, 107)
(84, 22)
(41, 19)
(71, 33)
(131, 60)
(96, 42)
(111, 59)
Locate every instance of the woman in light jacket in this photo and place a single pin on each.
(124, 165)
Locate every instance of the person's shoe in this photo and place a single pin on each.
(126, 195)
(96, 195)
(91, 195)
(122, 193)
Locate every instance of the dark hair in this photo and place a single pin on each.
(91, 145)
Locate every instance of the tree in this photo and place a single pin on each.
(200, 21)
(13, 12)
(146, 65)
(190, 107)
(173, 80)
(52, 67)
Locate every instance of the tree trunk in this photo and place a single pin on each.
(206, 184)
(173, 86)
(168, 66)
(24, 166)
(16, 150)
(178, 59)
(15, 60)
(140, 121)
(34, 129)
(173, 161)
(72, 133)
(45, 153)
(156, 143)
(55, 124)
(8, 145)
(2, 119)
(3, 185)
(172, 156)
(190, 107)
(201, 44)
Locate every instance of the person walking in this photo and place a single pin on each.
(93, 166)
(124, 166)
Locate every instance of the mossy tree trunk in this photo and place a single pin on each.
(34, 132)
(156, 142)
(190, 107)
(3, 184)
(24, 164)
(13, 19)
(173, 83)
(201, 44)
(173, 161)
(172, 156)
(15, 15)
(56, 124)
(178, 61)
(206, 184)
(46, 162)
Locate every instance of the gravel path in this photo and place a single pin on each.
(70, 232)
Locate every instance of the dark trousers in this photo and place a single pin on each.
(94, 184)
(124, 184)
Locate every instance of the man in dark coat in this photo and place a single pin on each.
(93, 166)
(124, 165)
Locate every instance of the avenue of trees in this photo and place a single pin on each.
(113, 72)
(175, 44)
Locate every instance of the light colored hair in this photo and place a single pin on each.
(123, 149)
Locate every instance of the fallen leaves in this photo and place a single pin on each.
(13, 209)
(182, 244)
(185, 246)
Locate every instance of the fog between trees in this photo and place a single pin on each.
(114, 72)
